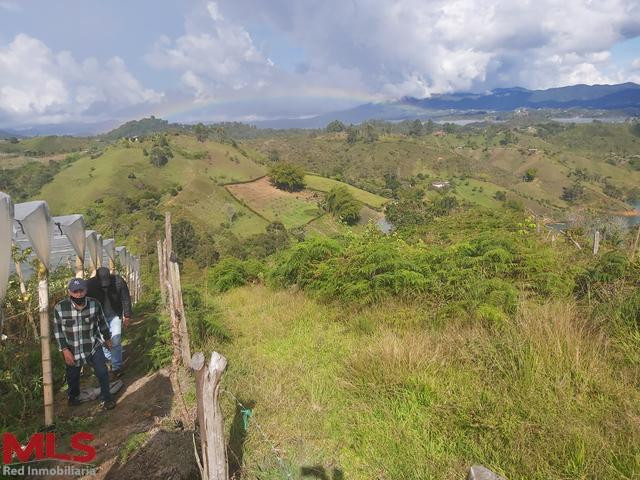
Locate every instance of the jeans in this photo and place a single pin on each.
(99, 365)
(115, 355)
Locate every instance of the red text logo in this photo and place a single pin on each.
(42, 446)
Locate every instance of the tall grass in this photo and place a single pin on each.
(388, 393)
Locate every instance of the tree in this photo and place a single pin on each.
(530, 174)
(415, 130)
(201, 132)
(160, 151)
(160, 156)
(352, 135)
(573, 193)
(343, 205)
(500, 195)
(370, 134)
(335, 127)
(185, 239)
(286, 176)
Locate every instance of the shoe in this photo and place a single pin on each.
(108, 405)
(73, 401)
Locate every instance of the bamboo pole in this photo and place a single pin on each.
(214, 455)
(635, 245)
(45, 345)
(25, 299)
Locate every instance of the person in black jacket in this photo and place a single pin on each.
(113, 293)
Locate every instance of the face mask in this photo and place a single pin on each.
(78, 301)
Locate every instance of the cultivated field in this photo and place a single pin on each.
(292, 209)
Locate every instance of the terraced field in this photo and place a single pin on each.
(293, 209)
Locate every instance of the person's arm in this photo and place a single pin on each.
(61, 338)
(58, 329)
(125, 299)
(103, 326)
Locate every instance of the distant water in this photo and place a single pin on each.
(589, 119)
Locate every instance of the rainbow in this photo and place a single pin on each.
(185, 107)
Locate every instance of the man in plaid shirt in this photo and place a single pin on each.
(81, 330)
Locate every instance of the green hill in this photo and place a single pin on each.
(600, 156)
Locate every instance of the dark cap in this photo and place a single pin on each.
(77, 284)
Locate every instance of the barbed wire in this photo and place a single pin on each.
(264, 435)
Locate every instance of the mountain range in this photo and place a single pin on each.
(624, 97)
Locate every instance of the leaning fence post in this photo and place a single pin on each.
(635, 245)
(596, 242)
(214, 454)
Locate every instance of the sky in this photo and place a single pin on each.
(96, 61)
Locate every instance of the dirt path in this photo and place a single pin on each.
(142, 437)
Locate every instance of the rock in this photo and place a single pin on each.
(478, 472)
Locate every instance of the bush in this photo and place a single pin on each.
(231, 272)
(287, 177)
(343, 205)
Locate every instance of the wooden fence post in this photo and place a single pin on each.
(182, 317)
(174, 294)
(596, 242)
(175, 330)
(45, 345)
(162, 272)
(635, 245)
(214, 454)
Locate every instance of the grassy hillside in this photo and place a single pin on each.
(323, 184)
(600, 156)
(387, 393)
(190, 184)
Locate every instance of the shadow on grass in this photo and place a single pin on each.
(237, 437)
(321, 473)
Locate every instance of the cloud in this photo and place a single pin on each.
(215, 55)
(9, 6)
(417, 47)
(39, 86)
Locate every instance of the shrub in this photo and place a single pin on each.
(287, 177)
(343, 205)
(231, 272)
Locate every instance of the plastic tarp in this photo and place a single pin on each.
(73, 227)
(121, 255)
(33, 220)
(6, 233)
(109, 249)
(93, 246)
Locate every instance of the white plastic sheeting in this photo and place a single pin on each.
(109, 249)
(33, 220)
(93, 247)
(6, 232)
(73, 227)
(121, 255)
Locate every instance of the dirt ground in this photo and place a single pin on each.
(147, 434)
